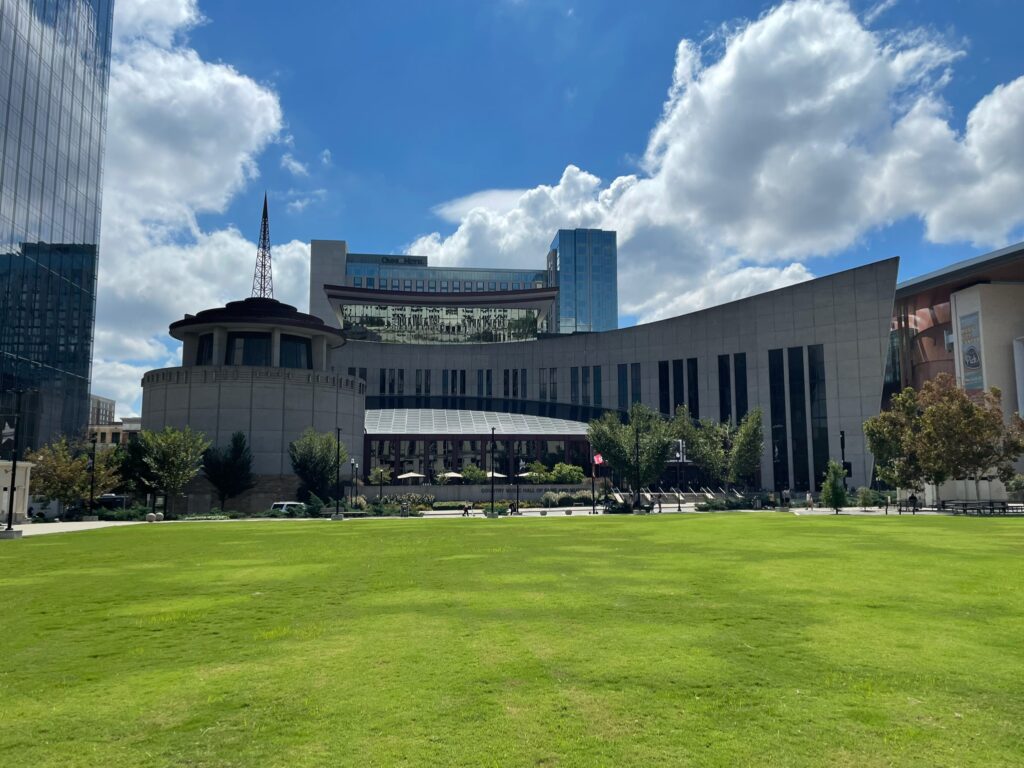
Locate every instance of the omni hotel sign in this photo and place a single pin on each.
(970, 353)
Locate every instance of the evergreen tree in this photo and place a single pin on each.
(229, 469)
(315, 461)
(833, 493)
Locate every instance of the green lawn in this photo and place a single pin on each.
(733, 639)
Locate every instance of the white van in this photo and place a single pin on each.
(289, 507)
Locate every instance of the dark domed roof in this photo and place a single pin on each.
(255, 310)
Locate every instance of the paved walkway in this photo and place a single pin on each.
(39, 529)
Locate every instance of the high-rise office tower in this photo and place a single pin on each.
(54, 75)
(583, 264)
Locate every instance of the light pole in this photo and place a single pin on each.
(593, 482)
(842, 453)
(522, 466)
(352, 467)
(337, 473)
(492, 470)
(636, 433)
(14, 467)
(92, 479)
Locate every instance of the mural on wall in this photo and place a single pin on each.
(970, 352)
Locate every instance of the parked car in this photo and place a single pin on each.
(289, 507)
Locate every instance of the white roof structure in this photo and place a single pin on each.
(438, 421)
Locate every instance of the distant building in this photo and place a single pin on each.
(101, 410)
(583, 264)
(116, 433)
(403, 299)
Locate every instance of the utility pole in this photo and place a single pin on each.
(593, 482)
(522, 466)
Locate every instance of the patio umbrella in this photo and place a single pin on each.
(526, 474)
(450, 475)
(496, 474)
(410, 475)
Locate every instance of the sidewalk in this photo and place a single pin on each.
(40, 529)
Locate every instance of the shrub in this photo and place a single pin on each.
(721, 505)
(314, 506)
(473, 475)
(499, 508)
(567, 474)
(412, 499)
(566, 500)
(450, 505)
(549, 499)
(583, 498)
(359, 502)
(393, 510)
(134, 512)
(866, 498)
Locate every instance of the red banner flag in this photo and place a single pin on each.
(598, 458)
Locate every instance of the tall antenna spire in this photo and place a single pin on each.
(262, 279)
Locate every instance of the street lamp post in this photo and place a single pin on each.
(14, 466)
(522, 466)
(636, 433)
(337, 473)
(352, 467)
(492, 470)
(593, 482)
(92, 479)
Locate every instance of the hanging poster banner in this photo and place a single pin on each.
(970, 353)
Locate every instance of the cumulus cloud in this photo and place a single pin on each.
(183, 137)
(496, 200)
(801, 133)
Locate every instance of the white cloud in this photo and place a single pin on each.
(325, 158)
(183, 136)
(293, 166)
(497, 200)
(803, 132)
(877, 10)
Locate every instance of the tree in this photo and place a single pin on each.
(646, 435)
(61, 472)
(941, 433)
(708, 445)
(136, 475)
(566, 474)
(174, 456)
(967, 438)
(747, 449)
(833, 494)
(229, 469)
(473, 475)
(894, 440)
(315, 461)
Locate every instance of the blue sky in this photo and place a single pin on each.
(792, 141)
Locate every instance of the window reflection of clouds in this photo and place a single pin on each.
(54, 70)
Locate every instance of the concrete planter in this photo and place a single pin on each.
(89, 518)
(159, 517)
(150, 517)
(12, 534)
(543, 513)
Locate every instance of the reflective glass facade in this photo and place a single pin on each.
(54, 72)
(583, 263)
(411, 273)
(440, 325)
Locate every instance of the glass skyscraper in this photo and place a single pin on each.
(583, 263)
(54, 74)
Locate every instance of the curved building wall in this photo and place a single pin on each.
(272, 406)
(812, 357)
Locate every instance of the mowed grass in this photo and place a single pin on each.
(744, 639)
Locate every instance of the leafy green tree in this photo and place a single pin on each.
(747, 449)
(566, 474)
(315, 460)
(61, 472)
(965, 438)
(708, 445)
(833, 494)
(473, 475)
(646, 434)
(136, 475)
(174, 457)
(894, 439)
(229, 469)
